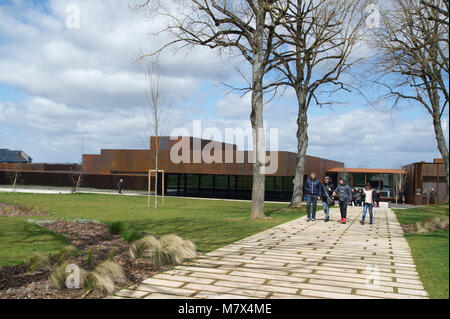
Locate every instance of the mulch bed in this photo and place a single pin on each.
(15, 283)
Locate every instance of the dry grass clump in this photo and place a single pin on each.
(35, 261)
(11, 210)
(168, 250)
(431, 224)
(144, 247)
(104, 277)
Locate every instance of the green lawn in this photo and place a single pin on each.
(210, 224)
(430, 251)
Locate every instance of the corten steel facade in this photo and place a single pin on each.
(222, 180)
(422, 177)
(225, 180)
(228, 177)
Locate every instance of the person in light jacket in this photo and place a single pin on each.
(370, 196)
(344, 192)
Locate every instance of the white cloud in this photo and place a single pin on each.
(83, 84)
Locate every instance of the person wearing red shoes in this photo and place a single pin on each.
(344, 192)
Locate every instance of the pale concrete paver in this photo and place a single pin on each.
(299, 260)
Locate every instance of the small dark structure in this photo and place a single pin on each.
(9, 156)
(422, 178)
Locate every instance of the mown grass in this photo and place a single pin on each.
(210, 224)
(430, 251)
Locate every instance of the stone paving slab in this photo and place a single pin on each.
(299, 260)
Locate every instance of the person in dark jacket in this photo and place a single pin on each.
(353, 197)
(377, 198)
(358, 197)
(432, 199)
(120, 186)
(344, 192)
(327, 196)
(313, 191)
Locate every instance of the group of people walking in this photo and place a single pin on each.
(328, 193)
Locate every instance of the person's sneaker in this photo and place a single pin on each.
(344, 220)
(371, 223)
(325, 220)
(340, 220)
(313, 219)
(307, 219)
(362, 223)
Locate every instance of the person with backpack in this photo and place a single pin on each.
(327, 198)
(313, 190)
(344, 192)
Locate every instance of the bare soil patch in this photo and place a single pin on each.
(15, 283)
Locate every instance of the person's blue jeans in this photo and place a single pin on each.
(326, 209)
(370, 207)
(311, 199)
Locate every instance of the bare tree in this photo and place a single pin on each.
(76, 174)
(240, 26)
(317, 41)
(14, 175)
(442, 9)
(156, 94)
(413, 59)
(399, 180)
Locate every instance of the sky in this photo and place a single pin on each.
(68, 89)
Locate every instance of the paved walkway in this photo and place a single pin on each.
(299, 260)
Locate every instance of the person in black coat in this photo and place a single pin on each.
(327, 196)
(120, 186)
(313, 191)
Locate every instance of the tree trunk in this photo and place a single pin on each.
(442, 146)
(302, 145)
(156, 173)
(256, 118)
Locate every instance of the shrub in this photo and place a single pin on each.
(35, 261)
(112, 253)
(63, 255)
(90, 256)
(168, 250)
(144, 247)
(103, 278)
(131, 235)
(431, 224)
(58, 276)
(117, 228)
(173, 251)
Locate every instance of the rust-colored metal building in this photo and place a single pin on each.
(227, 174)
(222, 175)
(422, 178)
